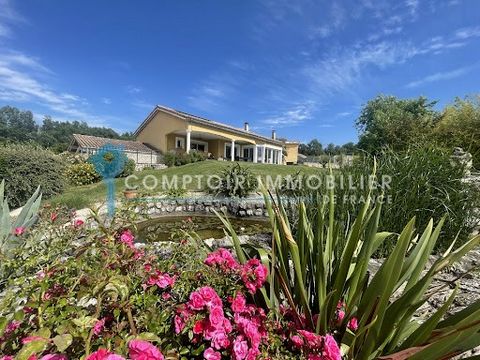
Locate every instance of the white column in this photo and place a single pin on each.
(262, 154)
(187, 150)
(232, 152)
(255, 154)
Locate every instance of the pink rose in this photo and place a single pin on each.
(12, 326)
(223, 259)
(331, 351)
(297, 341)
(179, 324)
(210, 296)
(99, 326)
(19, 231)
(216, 317)
(54, 357)
(313, 340)
(196, 301)
(340, 315)
(211, 354)
(7, 357)
(127, 238)
(77, 223)
(353, 324)
(238, 304)
(143, 350)
(240, 348)
(253, 274)
(199, 326)
(165, 280)
(103, 354)
(53, 217)
(219, 339)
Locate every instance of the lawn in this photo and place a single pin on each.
(84, 196)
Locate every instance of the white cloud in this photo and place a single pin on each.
(106, 101)
(216, 89)
(412, 6)
(292, 116)
(447, 75)
(467, 32)
(341, 69)
(132, 89)
(22, 80)
(335, 21)
(8, 17)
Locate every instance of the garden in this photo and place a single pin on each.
(344, 272)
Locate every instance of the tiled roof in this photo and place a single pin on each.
(95, 142)
(203, 121)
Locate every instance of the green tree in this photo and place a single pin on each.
(331, 149)
(348, 148)
(459, 125)
(313, 148)
(398, 123)
(17, 125)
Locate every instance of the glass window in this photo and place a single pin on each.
(179, 143)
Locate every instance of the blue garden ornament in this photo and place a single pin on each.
(109, 162)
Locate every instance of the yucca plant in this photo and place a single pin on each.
(26, 218)
(326, 263)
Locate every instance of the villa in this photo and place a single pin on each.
(167, 130)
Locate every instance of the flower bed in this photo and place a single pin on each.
(108, 299)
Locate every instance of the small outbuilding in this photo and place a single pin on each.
(144, 155)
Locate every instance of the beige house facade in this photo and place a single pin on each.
(167, 130)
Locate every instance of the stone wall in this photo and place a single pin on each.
(146, 159)
(233, 207)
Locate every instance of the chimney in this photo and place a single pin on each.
(246, 126)
(274, 135)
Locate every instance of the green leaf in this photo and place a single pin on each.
(62, 342)
(32, 348)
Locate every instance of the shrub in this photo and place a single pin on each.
(107, 294)
(175, 192)
(235, 181)
(82, 174)
(25, 167)
(424, 184)
(72, 158)
(128, 169)
(173, 158)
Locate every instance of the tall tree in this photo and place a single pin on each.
(313, 148)
(17, 125)
(459, 125)
(398, 123)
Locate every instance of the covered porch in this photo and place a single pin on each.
(219, 146)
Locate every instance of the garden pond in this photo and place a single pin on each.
(206, 226)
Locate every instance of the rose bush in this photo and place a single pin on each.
(75, 291)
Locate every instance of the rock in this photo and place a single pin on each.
(462, 158)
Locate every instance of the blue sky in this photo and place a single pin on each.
(302, 67)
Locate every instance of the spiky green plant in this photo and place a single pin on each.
(26, 218)
(326, 262)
